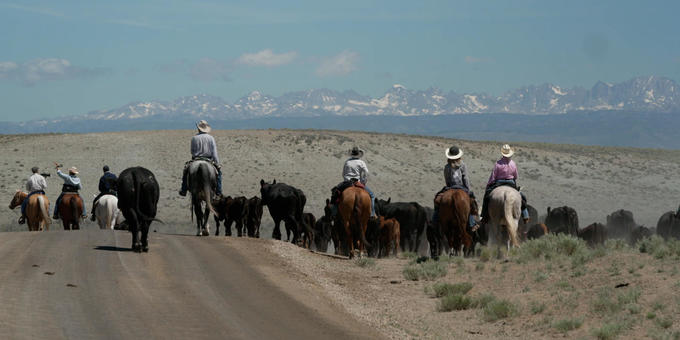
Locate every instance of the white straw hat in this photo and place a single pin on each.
(506, 151)
(203, 126)
(454, 152)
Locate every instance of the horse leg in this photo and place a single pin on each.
(206, 217)
(196, 205)
(217, 226)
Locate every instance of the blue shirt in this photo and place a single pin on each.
(72, 180)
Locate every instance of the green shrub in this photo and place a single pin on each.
(536, 307)
(428, 270)
(488, 253)
(483, 300)
(659, 248)
(566, 325)
(651, 315)
(553, 246)
(664, 323)
(609, 330)
(441, 289)
(498, 309)
(454, 302)
(409, 255)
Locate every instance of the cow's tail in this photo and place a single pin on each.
(44, 214)
(357, 221)
(510, 216)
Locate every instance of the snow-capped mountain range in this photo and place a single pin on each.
(641, 94)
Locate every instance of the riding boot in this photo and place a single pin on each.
(94, 208)
(183, 190)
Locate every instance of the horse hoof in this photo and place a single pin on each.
(205, 233)
(145, 249)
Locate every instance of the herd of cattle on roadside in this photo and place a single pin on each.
(400, 225)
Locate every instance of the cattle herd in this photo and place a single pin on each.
(399, 226)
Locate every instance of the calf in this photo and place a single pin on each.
(307, 231)
(594, 234)
(536, 230)
(411, 217)
(638, 233)
(230, 210)
(389, 235)
(254, 216)
(562, 220)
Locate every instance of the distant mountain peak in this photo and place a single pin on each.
(639, 94)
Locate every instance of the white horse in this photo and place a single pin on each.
(505, 204)
(107, 212)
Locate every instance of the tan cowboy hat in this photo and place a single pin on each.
(506, 151)
(203, 126)
(454, 152)
(356, 152)
(73, 170)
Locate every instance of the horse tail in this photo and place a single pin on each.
(207, 189)
(44, 214)
(510, 215)
(355, 212)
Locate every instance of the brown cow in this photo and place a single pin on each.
(389, 236)
(536, 230)
(594, 234)
(307, 232)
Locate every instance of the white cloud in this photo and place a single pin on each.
(44, 69)
(339, 65)
(266, 58)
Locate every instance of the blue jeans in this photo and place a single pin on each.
(56, 205)
(370, 193)
(25, 202)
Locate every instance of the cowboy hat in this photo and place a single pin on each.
(203, 126)
(454, 153)
(356, 152)
(507, 151)
(73, 170)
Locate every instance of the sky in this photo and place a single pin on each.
(61, 58)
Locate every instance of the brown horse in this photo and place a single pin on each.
(37, 210)
(71, 211)
(354, 210)
(454, 210)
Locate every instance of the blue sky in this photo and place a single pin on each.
(63, 58)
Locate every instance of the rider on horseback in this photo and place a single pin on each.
(456, 177)
(353, 171)
(36, 184)
(203, 146)
(107, 186)
(504, 173)
(71, 184)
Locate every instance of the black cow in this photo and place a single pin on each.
(138, 194)
(669, 226)
(594, 234)
(411, 217)
(562, 220)
(638, 233)
(523, 228)
(285, 203)
(620, 224)
(254, 216)
(323, 229)
(230, 210)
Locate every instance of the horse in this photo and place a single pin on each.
(454, 210)
(504, 211)
(37, 210)
(71, 210)
(202, 180)
(107, 212)
(354, 210)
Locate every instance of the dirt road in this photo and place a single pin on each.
(86, 284)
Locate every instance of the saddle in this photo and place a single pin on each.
(69, 189)
(205, 159)
(336, 192)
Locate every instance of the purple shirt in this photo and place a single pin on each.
(505, 168)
